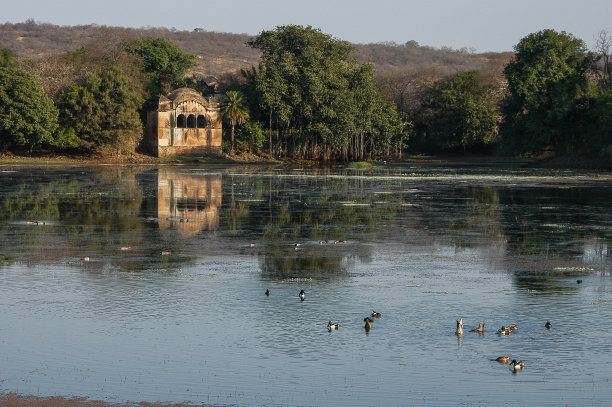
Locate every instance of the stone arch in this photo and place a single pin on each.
(201, 121)
(180, 121)
(191, 121)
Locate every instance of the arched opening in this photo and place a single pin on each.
(191, 121)
(201, 121)
(180, 121)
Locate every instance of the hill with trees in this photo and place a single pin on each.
(219, 53)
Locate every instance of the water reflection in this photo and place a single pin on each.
(188, 202)
(302, 224)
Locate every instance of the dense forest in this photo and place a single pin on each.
(297, 92)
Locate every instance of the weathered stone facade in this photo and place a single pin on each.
(184, 123)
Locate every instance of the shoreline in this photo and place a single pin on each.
(19, 400)
(443, 160)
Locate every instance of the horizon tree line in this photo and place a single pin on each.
(309, 99)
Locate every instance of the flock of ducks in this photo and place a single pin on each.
(333, 326)
(514, 365)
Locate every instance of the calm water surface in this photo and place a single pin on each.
(171, 304)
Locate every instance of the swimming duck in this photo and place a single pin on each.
(376, 314)
(126, 248)
(513, 327)
(268, 293)
(331, 326)
(547, 324)
(503, 331)
(459, 330)
(323, 242)
(514, 365)
(252, 244)
(86, 258)
(166, 253)
(368, 324)
(302, 295)
(480, 328)
(503, 359)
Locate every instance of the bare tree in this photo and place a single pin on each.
(603, 47)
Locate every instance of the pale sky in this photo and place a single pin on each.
(486, 25)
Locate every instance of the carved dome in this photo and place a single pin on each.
(184, 93)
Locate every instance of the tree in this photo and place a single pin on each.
(547, 82)
(7, 58)
(315, 95)
(458, 112)
(252, 133)
(103, 111)
(163, 62)
(234, 111)
(603, 48)
(28, 118)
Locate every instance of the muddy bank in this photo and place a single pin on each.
(16, 400)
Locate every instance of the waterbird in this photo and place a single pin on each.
(166, 253)
(252, 244)
(86, 258)
(547, 324)
(376, 314)
(302, 295)
(513, 327)
(459, 330)
(126, 248)
(503, 331)
(331, 326)
(480, 328)
(268, 293)
(514, 365)
(503, 359)
(578, 281)
(368, 324)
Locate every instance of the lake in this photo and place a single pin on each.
(145, 283)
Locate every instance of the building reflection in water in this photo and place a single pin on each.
(188, 203)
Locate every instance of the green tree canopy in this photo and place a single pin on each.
(7, 57)
(547, 81)
(103, 111)
(163, 62)
(320, 102)
(458, 112)
(28, 118)
(234, 110)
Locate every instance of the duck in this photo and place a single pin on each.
(302, 295)
(504, 331)
(86, 258)
(331, 326)
(252, 244)
(514, 365)
(503, 359)
(480, 328)
(459, 330)
(368, 324)
(513, 327)
(547, 324)
(323, 242)
(268, 293)
(166, 253)
(126, 248)
(376, 314)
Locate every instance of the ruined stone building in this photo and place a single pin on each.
(183, 123)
